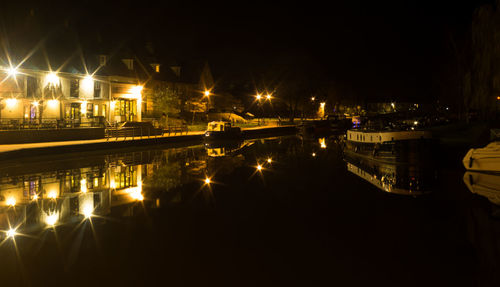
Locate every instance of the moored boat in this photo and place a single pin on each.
(221, 130)
(389, 145)
(483, 159)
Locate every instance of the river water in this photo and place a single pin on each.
(307, 217)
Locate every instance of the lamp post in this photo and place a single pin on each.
(207, 95)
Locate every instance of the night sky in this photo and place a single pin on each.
(389, 50)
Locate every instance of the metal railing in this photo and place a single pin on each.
(143, 132)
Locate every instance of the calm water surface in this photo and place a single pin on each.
(308, 217)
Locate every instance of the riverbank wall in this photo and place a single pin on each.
(49, 149)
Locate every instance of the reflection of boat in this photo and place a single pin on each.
(393, 178)
(484, 184)
(221, 130)
(389, 145)
(484, 159)
(226, 148)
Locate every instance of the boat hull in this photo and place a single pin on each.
(485, 159)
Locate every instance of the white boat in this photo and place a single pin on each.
(483, 159)
(484, 184)
(389, 145)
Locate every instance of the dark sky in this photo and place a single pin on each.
(386, 49)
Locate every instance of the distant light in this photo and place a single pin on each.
(87, 210)
(53, 103)
(12, 71)
(415, 123)
(113, 104)
(11, 201)
(322, 142)
(206, 93)
(259, 167)
(52, 194)
(136, 90)
(258, 96)
(83, 108)
(207, 180)
(313, 98)
(51, 219)
(322, 105)
(269, 160)
(268, 96)
(137, 194)
(35, 197)
(35, 103)
(83, 185)
(52, 79)
(313, 154)
(393, 105)
(11, 102)
(88, 83)
(11, 232)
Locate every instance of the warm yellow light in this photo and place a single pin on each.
(11, 102)
(52, 219)
(322, 142)
(35, 197)
(87, 210)
(206, 93)
(35, 104)
(207, 180)
(137, 196)
(269, 160)
(322, 105)
(415, 123)
(53, 103)
(113, 104)
(83, 185)
(11, 201)
(52, 79)
(88, 83)
(11, 232)
(313, 154)
(313, 98)
(12, 71)
(259, 167)
(136, 90)
(52, 194)
(83, 108)
(258, 96)
(268, 96)
(112, 183)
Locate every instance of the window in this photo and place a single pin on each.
(32, 87)
(74, 88)
(97, 89)
(156, 67)
(129, 63)
(102, 60)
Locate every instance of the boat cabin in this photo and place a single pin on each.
(219, 126)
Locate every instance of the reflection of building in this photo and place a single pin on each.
(53, 197)
(392, 178)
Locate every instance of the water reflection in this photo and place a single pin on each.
(484, 184)
(43, 196)
(393, 178)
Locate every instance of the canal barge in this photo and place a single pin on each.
(485, 159)
(389, 145)
(221, 130)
